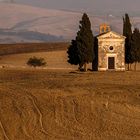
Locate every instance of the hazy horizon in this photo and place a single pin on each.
(118, 7)
(94, 6)
(32, 20)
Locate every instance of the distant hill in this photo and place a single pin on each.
(11, 36)
(6, 49)
(22, 23)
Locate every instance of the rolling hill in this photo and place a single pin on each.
(6, 49)
(22, 23)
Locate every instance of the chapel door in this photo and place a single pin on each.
(111, 63)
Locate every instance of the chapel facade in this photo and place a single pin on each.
(111, 50)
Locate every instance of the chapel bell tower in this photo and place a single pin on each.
(104, 28)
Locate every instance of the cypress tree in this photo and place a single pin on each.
(135, 46)
(127, 32)
(138, 49)
(81, 50)
(85, 41)
(73, 57)
(95, 60)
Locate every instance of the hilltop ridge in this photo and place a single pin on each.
(22, 23)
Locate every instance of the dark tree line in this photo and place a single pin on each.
(127, 32)
(135, 49)
(132, 43)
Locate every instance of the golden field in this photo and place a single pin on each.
(39, 104)
(57, 102)
(55, 60)
(19, 48)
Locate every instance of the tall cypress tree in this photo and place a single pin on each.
(85, 41)
(127, 32)
(135, 46)
(81, 50)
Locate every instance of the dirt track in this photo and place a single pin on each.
(64, 105)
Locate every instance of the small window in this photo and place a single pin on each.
(111, 48)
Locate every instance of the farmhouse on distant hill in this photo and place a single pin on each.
(110, 47)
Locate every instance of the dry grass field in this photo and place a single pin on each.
(69, 105)
(54, 59)
(57, 102)
(19, 48)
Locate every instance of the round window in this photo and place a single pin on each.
(111, 48)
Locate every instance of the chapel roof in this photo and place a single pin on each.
(110, 32)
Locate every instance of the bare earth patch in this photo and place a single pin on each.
(65, 105)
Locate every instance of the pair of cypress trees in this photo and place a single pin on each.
(81, 50)
(132, 43)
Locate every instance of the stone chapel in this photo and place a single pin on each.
(110, 49)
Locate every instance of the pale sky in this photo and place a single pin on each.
(106, 4)
(94, 6)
